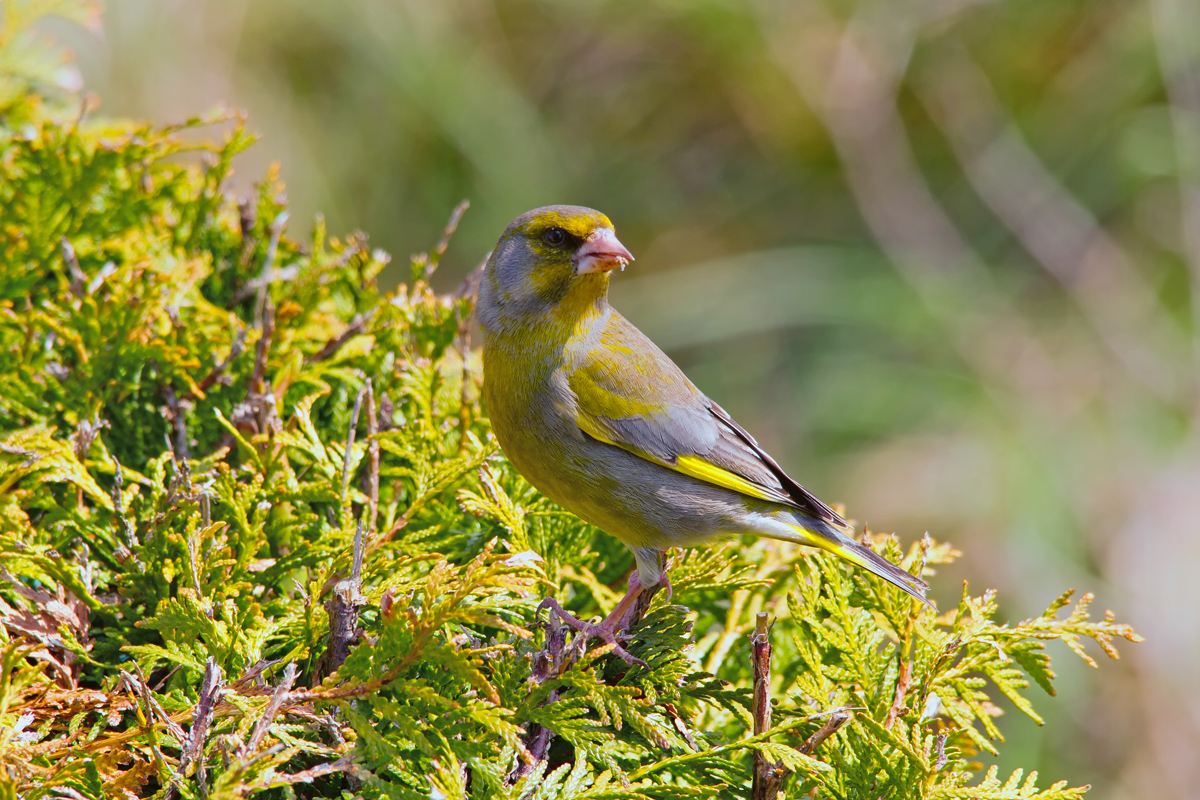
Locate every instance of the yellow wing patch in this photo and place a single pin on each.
(697, 467)
(588, 425)
(692, 466)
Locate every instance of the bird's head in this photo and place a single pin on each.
(549, 257)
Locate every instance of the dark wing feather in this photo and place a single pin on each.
(801, 497)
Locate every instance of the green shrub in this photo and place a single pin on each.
(198, 414)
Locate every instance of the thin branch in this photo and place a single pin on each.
(276, 229)
(342, 609)
(139, 687)
(768, 775)
(836, 720)
(125, 549)
(177, 422)
(358, 401)
(462, 343)
(78, 276)
(372, 459)
(343, 764)
(193, 746)
(451, 226)
(901, 691)
(356, 327)
(357, 563)
(546, 664)
(239, 347)
(267, 325)
(278, 698)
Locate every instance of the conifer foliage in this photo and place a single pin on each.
(256, 538)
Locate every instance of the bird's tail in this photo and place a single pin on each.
(816, 533)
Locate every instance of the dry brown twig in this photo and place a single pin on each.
(836, 720)
(372, 477)
(768, 775)
(278, 698)
(356, 327)
(358, 402)
(342, 609)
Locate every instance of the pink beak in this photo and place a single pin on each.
(600, 252)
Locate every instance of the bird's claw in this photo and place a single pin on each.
(605, 631)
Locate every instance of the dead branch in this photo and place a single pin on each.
(372, 459)
(342, 609)
(768, 775)
(278, 697)
(239, 347)
(193, 747)
(444, 242)
(276, 230)
(358, 401)
(356, 327)
(547, 663)
(836, 720)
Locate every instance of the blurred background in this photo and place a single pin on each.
(941, 256)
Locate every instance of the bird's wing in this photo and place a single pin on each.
(629, 394)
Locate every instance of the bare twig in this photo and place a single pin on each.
(277, 700)
(155, 709)
(247, 217)
(356, 326)
(768, 776)
(177, 422)
(342, 609)
(85, 434)
(547, 663)
(901, 691)
(462, 343)
(276, 229)
(360, 540)
(78, 276)
(193, 746)
(153, 712)
(836, 720)
(139, 687)
(469, 287)
(267, 324)
(640, 606)
(372, 459)
(239, 347)
(358, 401)
(942, 758)
(255, 285)
(451, 226)
(343, 764)
(257, 414)
(125, 550)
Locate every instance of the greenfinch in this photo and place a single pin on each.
(601, 421)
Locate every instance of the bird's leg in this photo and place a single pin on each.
(612, 625)
(627, 613)
(652, 568)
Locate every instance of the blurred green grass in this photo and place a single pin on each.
(943, 259)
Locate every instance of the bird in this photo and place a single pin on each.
(598, 419)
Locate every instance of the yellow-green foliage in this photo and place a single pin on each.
(178, 384)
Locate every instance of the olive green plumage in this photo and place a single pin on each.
(600, 420)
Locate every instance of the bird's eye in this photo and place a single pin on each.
(555, 237)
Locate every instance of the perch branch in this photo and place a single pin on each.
(768, 775)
